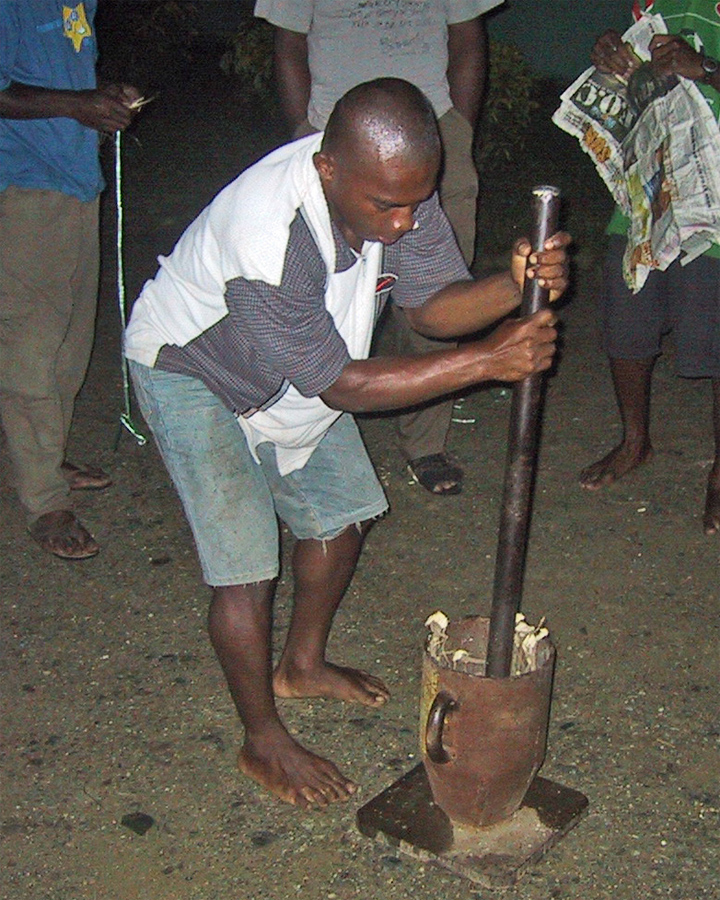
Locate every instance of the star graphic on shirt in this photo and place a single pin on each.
(75, 25)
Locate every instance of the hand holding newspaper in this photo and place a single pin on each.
(656, 144)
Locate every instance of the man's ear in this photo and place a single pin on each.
(324, 166)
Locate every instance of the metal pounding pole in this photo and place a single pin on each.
(520, 465)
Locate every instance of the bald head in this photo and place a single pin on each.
(379, 160)
(383, 120)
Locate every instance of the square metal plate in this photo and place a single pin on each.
(405, 816)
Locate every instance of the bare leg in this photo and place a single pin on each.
(239, 624)
(632, 380)
(711, 517)
(322, 573)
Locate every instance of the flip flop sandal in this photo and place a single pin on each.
(85, 478)
(433, 472)
(61, 533)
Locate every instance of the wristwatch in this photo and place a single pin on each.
(709, 67)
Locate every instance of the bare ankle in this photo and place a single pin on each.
(636, 444)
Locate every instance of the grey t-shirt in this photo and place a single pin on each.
(352, 41)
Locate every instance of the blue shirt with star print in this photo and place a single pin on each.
(51, 44)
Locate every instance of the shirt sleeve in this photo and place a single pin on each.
(288, 326)
(463, 10)
(425, 259)
(295, 15)
(9, 39)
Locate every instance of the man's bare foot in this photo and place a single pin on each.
(293, 773)
(332, 682)
(711, 516)
(85, 478)
(619, 461)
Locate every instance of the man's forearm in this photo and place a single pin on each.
(467, 66)
(24, 101)
(465, 307)
(517, 348)
(110, 108)
(382, 383)
(293, 74)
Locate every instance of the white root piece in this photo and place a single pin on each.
(526, 639)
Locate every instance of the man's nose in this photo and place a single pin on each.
(403, 219)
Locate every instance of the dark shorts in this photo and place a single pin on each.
(684, 300)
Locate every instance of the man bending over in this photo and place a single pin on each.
(249, 355)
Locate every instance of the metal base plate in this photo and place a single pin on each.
(404, 815)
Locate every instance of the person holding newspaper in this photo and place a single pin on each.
(681, 299)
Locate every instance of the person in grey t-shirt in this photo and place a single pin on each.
(325, 47)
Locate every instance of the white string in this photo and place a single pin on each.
(125, 416)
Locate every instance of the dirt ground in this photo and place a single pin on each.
(113, 703)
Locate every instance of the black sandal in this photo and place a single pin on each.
(437, 474)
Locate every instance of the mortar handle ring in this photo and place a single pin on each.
(441, 706)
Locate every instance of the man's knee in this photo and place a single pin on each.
(233, 599)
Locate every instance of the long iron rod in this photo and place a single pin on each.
(520, 467)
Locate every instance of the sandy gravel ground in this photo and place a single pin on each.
(112, 703)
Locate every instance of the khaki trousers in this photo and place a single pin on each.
(459, 180)
(423, 431)
(49, 260)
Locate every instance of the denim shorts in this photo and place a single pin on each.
(231, 502)
(684, 300)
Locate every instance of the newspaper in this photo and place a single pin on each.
(656, 144)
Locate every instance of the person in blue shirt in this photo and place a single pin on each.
(51, 115)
